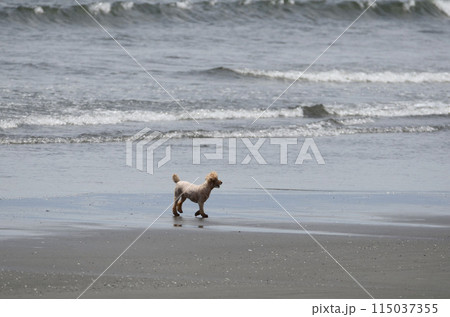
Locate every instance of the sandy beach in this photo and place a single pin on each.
(214, 258)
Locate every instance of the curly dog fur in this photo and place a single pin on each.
(196, 193)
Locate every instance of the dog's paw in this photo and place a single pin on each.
(205, 216)
(197, 213)
(176, 215)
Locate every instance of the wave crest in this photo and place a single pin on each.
(315, 129)
(211, 10)
(341, 76)
(113, 117)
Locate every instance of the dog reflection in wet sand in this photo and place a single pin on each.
(196, 193)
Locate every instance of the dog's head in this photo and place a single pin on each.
(213, 180)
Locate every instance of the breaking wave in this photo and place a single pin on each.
(113, 117)
(314, 129)
(213, 10)
(104, 117)
(341, 76)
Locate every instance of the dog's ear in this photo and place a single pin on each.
(211, 177)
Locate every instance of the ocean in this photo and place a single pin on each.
(376, 103)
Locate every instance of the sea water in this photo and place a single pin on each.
(376, 103)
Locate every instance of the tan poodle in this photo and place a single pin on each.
(196, 193)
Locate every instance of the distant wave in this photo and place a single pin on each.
(213, 10)
(341, 76)
(113, 117)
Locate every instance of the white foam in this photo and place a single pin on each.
(282, 2)
(100, 7)
(355, 121)
(246, 114)
(185, 5)
(65, 140)
(340, 76)
(314, 129)
(319, 129)
(443, 5)
(100, 117)
(398, 109)
(127, 5)
(408, 5)
(38, 10)
(104, 117)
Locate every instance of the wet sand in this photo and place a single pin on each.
(188, 262)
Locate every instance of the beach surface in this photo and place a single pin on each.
(232, 254)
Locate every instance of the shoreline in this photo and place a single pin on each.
(395, 245)
(360, 214)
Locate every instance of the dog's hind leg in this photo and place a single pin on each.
(174, 209)
(180, 204)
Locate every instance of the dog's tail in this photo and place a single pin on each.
(175, 178)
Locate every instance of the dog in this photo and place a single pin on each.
(196, 193)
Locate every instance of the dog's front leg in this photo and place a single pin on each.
(201, 211)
